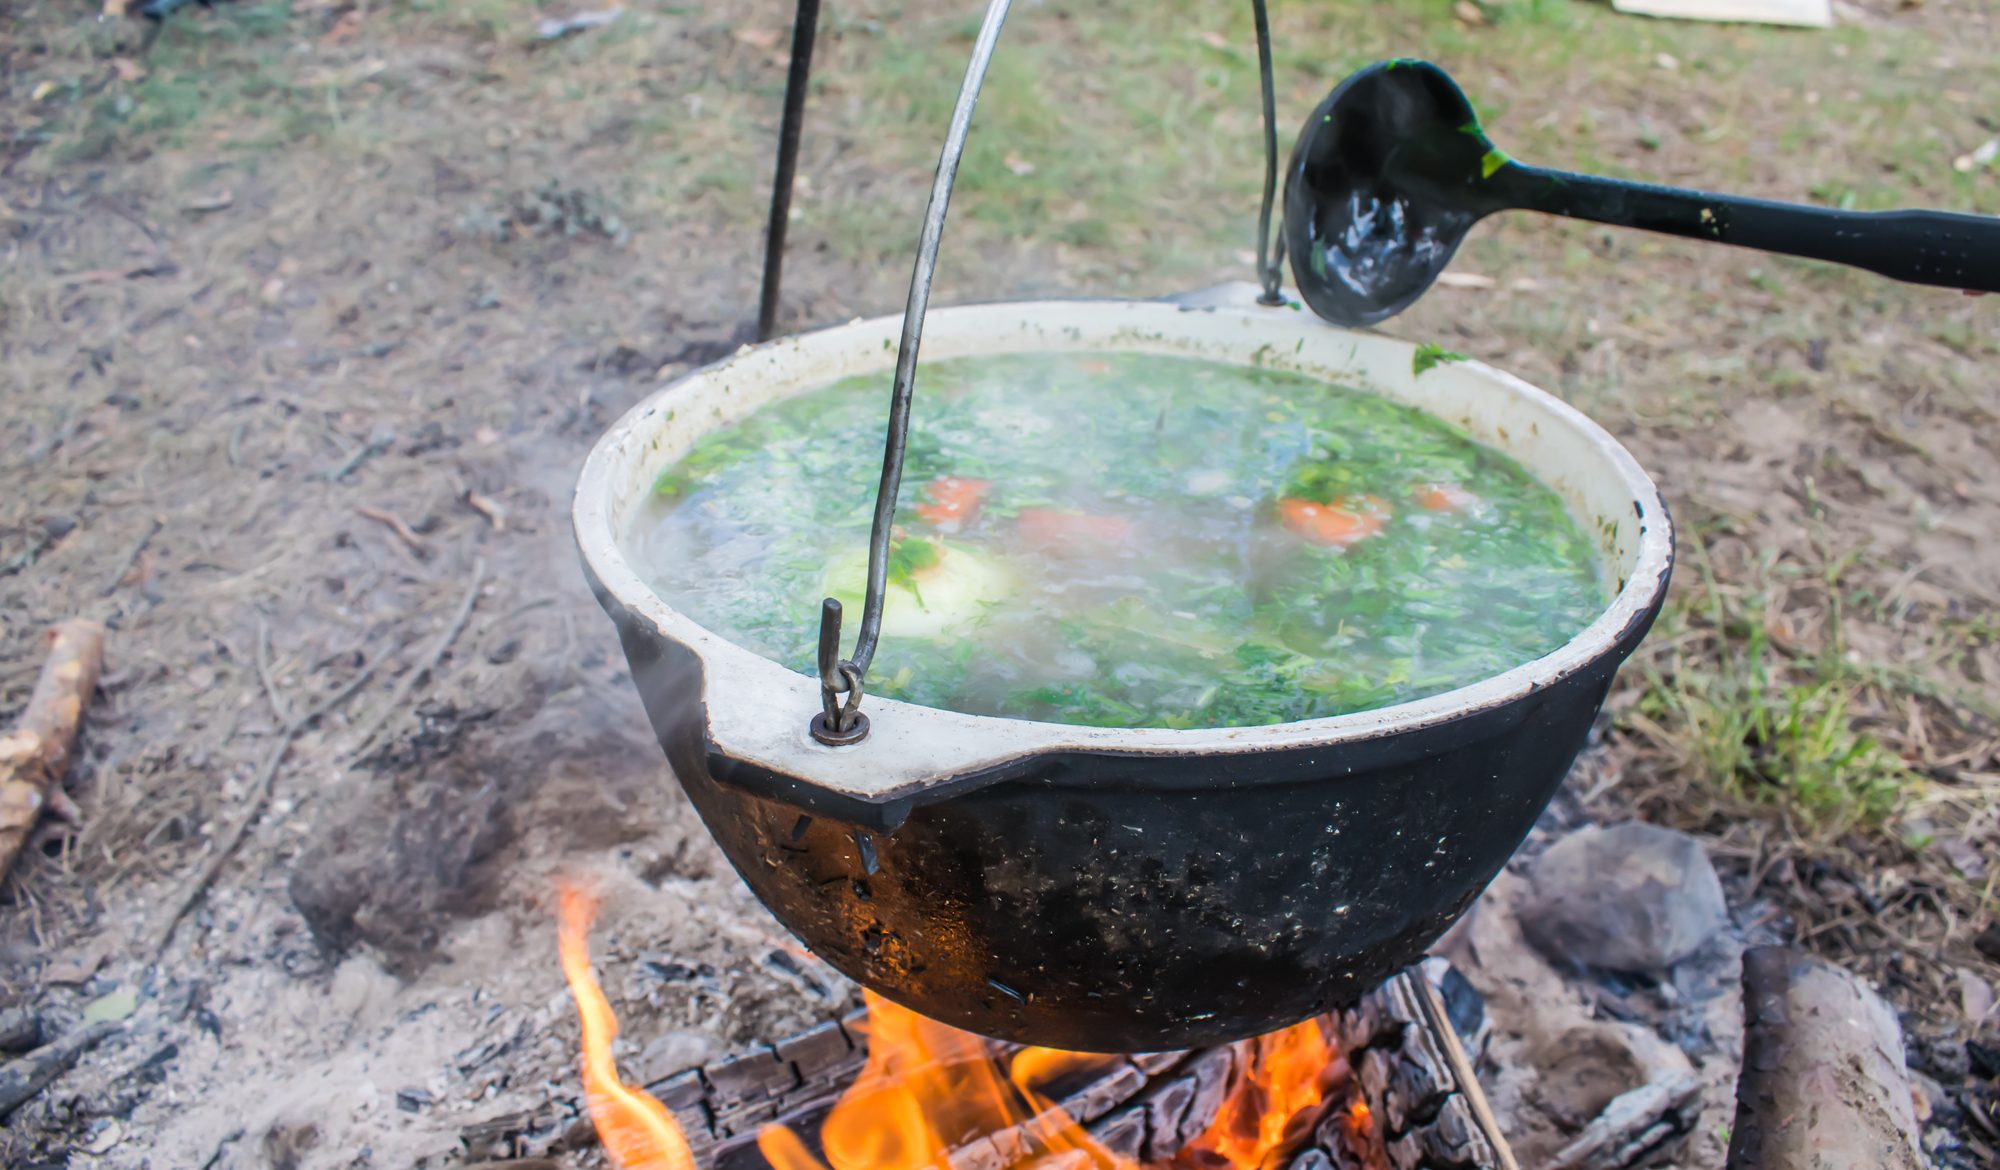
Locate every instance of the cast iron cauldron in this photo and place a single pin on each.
(1120, 890)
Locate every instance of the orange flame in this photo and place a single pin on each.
(1281, 1082)
(927, 1089)
(1359, 1116)
(1032, 1069)
(637, 1131)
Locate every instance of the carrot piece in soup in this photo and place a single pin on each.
(951, 501)
(1445, 497)
(1344, 522)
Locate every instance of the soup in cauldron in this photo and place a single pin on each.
(1127, 540)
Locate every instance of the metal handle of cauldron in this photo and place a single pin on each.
(841, 723)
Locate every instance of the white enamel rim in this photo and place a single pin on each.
(756, 710)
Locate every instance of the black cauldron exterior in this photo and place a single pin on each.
(1113, 890)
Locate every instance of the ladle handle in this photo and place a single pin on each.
(1940, 248)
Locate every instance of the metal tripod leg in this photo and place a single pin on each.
(804, 25)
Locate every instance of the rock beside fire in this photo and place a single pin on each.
(1633, 897)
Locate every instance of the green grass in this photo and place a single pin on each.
(1125, 127)
(229, 69)
(1770, 726)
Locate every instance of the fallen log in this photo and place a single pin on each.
(1824, 1085)
(35, 755)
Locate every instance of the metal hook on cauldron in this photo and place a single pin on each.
(841, 723)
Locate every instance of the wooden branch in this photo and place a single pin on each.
(1419, 1114)
(279, 707)
(20, 1080)
(1823, 1085)
(35, 755)
(396, 525)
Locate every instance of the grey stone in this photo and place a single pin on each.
(1633, 897)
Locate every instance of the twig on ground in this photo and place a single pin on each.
(260, 794)
(20, 1080)
(376, 444)
(395, 524)
(126, 562)
(279, 706)
(34, 756)
(489, 508)
(59, 806)
(400, 697)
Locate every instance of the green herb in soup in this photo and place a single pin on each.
(1128, 541)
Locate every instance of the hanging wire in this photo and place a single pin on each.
(843, 723)
(1270, 264)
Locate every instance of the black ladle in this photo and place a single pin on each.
(1393, 169)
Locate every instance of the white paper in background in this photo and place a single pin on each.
(1805, 13)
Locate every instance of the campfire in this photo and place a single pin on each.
(635, 1128)
(888, 1089)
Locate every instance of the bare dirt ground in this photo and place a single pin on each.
(300, 264)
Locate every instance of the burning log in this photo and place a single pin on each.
(35, 755)
(1823, 1084)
